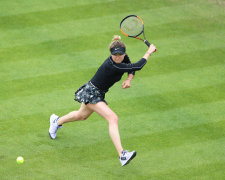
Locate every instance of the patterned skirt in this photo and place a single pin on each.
(88, 93)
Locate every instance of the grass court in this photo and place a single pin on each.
(173, 115)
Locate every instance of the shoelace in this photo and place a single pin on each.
(56, 120)
(124, 152)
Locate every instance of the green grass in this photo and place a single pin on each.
(173, 116)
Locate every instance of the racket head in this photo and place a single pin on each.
(132, 26)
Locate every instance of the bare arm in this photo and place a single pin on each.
(127, 82)
(150, 50)
(122, 67)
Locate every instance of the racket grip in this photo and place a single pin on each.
(147, 43)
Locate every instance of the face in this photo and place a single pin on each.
(118, 58)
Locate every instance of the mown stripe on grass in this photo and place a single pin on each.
(98, 135)
(71, 29)
(159, 86)
(183, 61)
(187, 155)
(168, 165)
(206, 171)
(83, 68)
(191, 43)
(185, 27)
(180, 117)
(85, 154)
(12, 8)
(58, 47)
(134, 124)
(170, 100)
(177, 136)
(143, 82)
(175, 81)
(57, 100)
(169, 30)
(77, 12)
(68, 46)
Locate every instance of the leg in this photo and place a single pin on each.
(83, 113)
(103, 110)
(55, 122)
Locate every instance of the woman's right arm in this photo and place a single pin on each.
(150, 50)
(122, 67)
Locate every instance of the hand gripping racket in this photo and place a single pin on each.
(133, 26)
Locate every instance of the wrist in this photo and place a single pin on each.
(130, 77)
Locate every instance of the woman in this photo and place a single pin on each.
(91, 95)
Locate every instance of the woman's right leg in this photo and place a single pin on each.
(55, 121)
(103, 110)
(83, 113)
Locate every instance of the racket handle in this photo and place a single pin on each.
(147, 43)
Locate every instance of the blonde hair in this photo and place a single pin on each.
(116, 42)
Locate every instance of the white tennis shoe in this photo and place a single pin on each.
(53, 126)
(126, 157)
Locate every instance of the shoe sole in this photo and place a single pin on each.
(50, 136)
(132, 157)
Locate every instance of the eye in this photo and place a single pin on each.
(118, 54)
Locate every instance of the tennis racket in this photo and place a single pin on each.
(133, 26)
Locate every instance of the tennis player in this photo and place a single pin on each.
(92, 94)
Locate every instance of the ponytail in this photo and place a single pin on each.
(116, 42)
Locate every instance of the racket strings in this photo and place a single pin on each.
(132, 26)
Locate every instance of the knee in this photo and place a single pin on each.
(113, 119)
(83, 117)
(77, 115)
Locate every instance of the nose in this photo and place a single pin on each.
(116, 58)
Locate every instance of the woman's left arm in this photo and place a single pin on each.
(127, 82)
(127, 61)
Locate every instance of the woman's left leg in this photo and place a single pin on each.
(103, 110)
